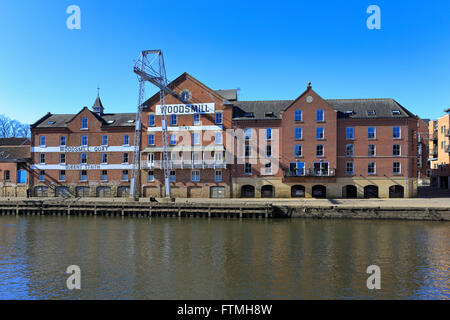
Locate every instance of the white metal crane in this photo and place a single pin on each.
(150, 67)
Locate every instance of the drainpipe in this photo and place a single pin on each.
(407, 159)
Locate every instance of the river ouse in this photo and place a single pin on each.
(222, 147)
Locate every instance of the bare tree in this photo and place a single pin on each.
(13, 128)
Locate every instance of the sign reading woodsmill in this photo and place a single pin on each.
(200, 108)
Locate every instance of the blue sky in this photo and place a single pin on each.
(270, 50)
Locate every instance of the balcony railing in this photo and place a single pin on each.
(185, 164)
(310, 173)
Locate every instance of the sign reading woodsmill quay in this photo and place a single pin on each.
(200, 108)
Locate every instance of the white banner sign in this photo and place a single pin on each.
(201, 108)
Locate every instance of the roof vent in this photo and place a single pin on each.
(51, 122)
(396, 112)
(110, 121)
(371, 112)
(349, 112)
(130, 121)
(270, 114)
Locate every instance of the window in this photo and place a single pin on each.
(298, 134)
(151, 139)
(319, 133)
(104, 158)
(62, 140)
(248, 168)
(349, 150)
(268, 134)
(218, 138)
(248, 133)
(219, 118)
(124, 175)
(83, 158)
(151, 120)
(298, 115)
(349, 167)
(297, 168)
(371, 150)
(319, 115)
(62, 158)
(42, 158)
(268, 168)
(42, 141)
(442, 144)
(7, 175)
(268, 151)
(196, 138)
(173, 176)
(84, 140)
(247, 151)
(371, 168)
(218, 176)
(83, 175)
(195, 175)
(62, 175)
(104, 140)
(319, 150)
(84, 123)
(125, 158)
(396, 150)
(151, 158)
(321, 168)
(104, 175)
(349, 133)
(173, 139)
(42, 175)
(396, 133)
(196, 119)
(371, 133)
(396, 168)
(298, 150)
(126, 140)
(151, 176)
(173, 119)
(218, 157)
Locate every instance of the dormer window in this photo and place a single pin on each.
(269, 114)
(371, 113)
(396, 112)
(84, 123)
(249, 115)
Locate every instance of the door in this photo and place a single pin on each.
(217, 192)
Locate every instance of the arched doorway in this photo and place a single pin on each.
(298, 191)
(396, 191)
(349, 191)
(267, 191)
(82, 191)
(370, 191)
(247, 191)
(319, 191)
(103, 192)
(62, 192)
(123, 192)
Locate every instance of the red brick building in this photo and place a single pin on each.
(14, 166)
(220, 146)
(85, 154)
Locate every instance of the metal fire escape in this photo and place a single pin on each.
(150, 67)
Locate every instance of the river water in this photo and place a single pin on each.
(198, 258)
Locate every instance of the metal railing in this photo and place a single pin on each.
(310, 173)
(185, 164)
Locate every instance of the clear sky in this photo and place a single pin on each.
(270, 50)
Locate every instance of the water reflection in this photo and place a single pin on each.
(172, 258)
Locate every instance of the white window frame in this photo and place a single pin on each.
(148, 139)
(81, 141)
(82, 124)
(399, 168)
(245, 168)
(301, 133)
(399, 133)
(353, 150)
(353, 133)
(374, 133)
(323, 115)
(374, 168)
(216, 175)
(346, 167)
(195, 175)
(300, 112)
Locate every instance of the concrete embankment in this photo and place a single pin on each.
(404, 209)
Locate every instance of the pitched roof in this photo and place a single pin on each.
(229, 94)
(347, 108)
(14, 141)
(107, 119)
(243, 110)
(15, 154)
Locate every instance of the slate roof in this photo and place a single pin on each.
(14, 141)
(62, 120)
(230, 94)
(15, 153)
(359, 109)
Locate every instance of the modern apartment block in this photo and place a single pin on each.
(439, 146)
(221, 147)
